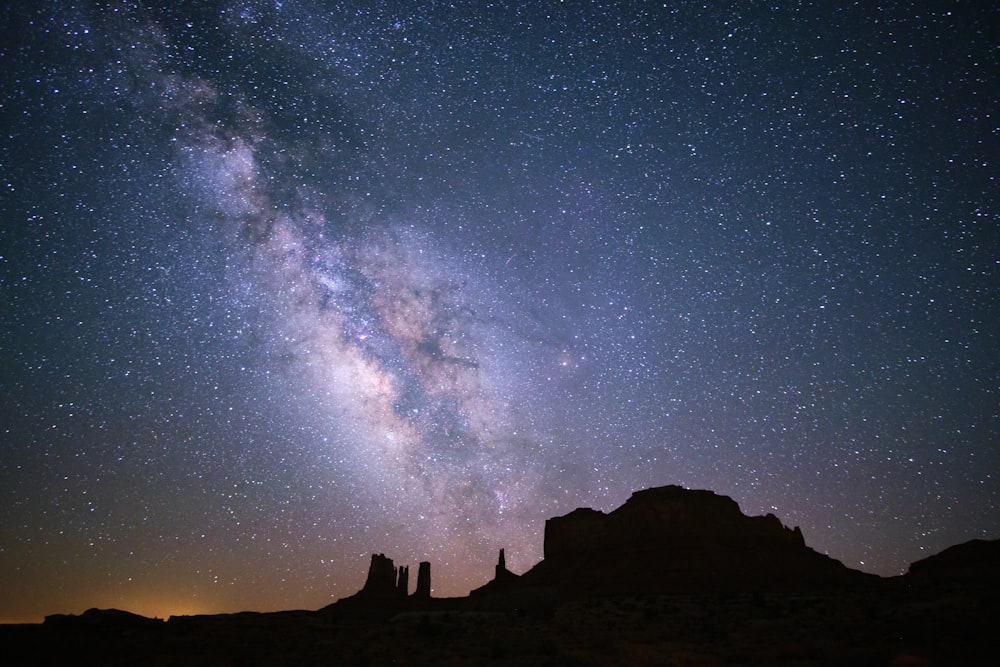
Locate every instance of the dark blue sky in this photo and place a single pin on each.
(285, 284)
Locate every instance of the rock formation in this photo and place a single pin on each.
(381, 579)
(503, 579)
(385, 580)
(674, 540)
(423, 581)
(403, 581)
(664, 540)
(386, 591)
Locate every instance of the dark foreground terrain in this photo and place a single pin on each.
(897, 624)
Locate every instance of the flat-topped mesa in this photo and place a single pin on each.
(653, 515)
(671, 539)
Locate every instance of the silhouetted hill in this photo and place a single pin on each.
(672, 540)
(975, 561)
(101, 618)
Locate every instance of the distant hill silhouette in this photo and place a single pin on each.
(101, 618)
(975, 561)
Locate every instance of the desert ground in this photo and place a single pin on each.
(895, 625)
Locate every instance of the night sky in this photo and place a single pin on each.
(283, 284)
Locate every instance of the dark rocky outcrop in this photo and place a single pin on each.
(503, 580)
(386, 581)
(386, 591)
(403, 581)
(673, 540)
(381, 581)
(501, 571)
(423, 581)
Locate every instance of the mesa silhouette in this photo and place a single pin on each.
(673, 575)
(671, 540)
(665, 540)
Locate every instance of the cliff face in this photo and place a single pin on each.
(385, 580)
(670, 540)
(423, 581)
(382, 577)
(574, 533)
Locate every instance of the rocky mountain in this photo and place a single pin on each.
(674, 540)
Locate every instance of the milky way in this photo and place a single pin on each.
(286, 284)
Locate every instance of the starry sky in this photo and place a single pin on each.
(288, 283)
